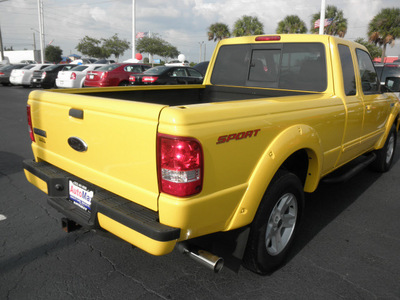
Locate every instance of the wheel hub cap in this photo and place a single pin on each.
(281, 224)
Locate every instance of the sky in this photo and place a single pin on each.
(182, 23)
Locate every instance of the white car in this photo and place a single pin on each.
(177, 63)
(75, 77)
(23, 76)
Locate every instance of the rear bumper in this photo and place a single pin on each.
(132, 222)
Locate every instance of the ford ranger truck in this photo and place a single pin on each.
(161, 166)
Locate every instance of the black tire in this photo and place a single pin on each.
(384, 156)
(263, 253)
(124, 83)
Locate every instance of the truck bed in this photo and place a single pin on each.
(186, 94)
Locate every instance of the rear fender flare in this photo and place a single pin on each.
(283, 146)
(394, 119)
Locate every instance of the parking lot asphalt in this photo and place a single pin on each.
(348, 246)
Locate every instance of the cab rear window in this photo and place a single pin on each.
(293, 66)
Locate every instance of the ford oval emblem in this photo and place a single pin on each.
(77, 144)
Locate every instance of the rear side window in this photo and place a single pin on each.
(349, 78)
(108, 67)
(194, 73)
(369, 79)
(136, 69)
(232, 65)
(295, 66)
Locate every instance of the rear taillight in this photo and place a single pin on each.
(132, 78)
(180, 165)
(149, 79)
(1, 73)
(44, 75)
(73, 76)
(28, 111)
(104, 75)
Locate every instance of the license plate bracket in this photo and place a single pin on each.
(80, 195)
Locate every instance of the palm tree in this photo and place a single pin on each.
(291, 24)
(218, 31)
(339, 22)
(248, 25)
(385, 28)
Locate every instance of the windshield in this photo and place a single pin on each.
(50, 68)
(155, 70)
(390, 71)
(108, 67)
(79, 68)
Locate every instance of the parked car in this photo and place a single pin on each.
(167, 75)
(177, 63)
(23, 76)
(113, 75)
(5, 72)
(84, 61)
(202, 67)
(75, 77)
(28, 62)
(387, 70)
(46, 78)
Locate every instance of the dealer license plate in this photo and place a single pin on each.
(91, 76)
(80, 195)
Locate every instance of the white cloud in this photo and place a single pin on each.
(183, 23)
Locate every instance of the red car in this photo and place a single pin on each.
(113, 75)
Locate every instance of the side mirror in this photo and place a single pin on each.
(392, 84)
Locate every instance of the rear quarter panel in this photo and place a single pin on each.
(237, 172)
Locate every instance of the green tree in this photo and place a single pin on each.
(218, 31)
(385, 28)
(115, 46)
(53, 54)
(247, 25)
(155, 45)
(339, 22)
(374, 50)
(91, 47)
(291, 24)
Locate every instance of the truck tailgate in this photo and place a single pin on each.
(120, 137)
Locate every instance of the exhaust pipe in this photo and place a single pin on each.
(203, 257)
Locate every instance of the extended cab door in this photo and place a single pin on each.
(347, 88)
(376, 104)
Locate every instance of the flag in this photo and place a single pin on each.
(140, 35)
(327, 23)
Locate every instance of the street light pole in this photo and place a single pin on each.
(1, 46)
(133, 29)
(41, 29)
(1, 42)
(201, 46)
(322, 18)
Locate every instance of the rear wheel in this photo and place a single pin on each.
(275, 224)
(124, 83)
(384, 156)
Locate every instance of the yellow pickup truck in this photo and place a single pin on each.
(166, 166)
